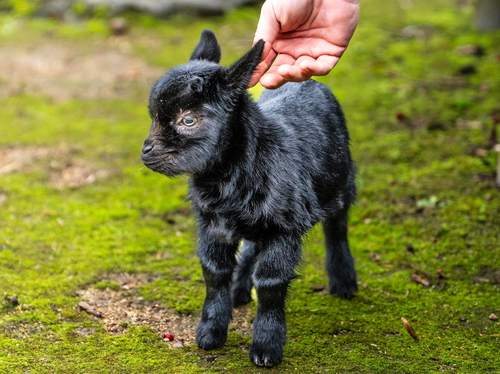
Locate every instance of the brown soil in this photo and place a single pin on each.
(123, 308)
(64, 168)
(57, 70)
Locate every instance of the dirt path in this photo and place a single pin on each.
(64, 70)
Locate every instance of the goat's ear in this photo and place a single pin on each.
(208, 48)
(239, 74)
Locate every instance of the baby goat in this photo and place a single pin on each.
(262, 172)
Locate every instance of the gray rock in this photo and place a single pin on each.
(161, 8)
(166, 7)
(177, 345)
(488, 15)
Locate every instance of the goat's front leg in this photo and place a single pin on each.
(274, 271)
(218, 261)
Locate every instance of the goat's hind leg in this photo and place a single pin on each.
(339, 261)
(242, 281)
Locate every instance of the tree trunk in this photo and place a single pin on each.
(488, 15)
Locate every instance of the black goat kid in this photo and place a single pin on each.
(262, 172)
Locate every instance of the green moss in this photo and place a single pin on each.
(421, 183)
(22, 7)
(102, 285)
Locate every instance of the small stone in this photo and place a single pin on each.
(493, 317)
(118, 26)
(413, 32)
(14, 300)
(462, 319)
(470, 50)
(178, 344)
(481, 152)
(467, 70)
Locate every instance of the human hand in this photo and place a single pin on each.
(304, 38)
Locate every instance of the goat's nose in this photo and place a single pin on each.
(147, 148)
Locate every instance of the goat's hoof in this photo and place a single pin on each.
(210, 337)
(265, 356)
(240, 296)
(344, 292)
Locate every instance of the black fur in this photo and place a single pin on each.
(262, 172)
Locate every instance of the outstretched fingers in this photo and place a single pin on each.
(305, 67)
(287, 69)
(268, 29)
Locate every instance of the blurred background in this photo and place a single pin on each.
(82, 220)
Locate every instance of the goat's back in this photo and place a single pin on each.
(313, 127)
(309, 107)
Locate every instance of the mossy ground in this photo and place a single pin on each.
(427, 199)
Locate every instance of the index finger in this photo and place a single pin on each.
(263, 66)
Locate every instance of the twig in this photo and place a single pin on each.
(418, 279)
(422, 272)
(410, 330)
(88, 309)
(441, 275)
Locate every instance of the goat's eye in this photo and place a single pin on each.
(189, 121)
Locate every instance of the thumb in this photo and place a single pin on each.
(268, 29)
(268, 26)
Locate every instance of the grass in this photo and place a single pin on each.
(427, 200)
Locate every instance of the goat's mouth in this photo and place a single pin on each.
(159, 161)
(152, 152)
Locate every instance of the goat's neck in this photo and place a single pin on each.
(240, 140)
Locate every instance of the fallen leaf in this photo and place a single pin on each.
(410, 330)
